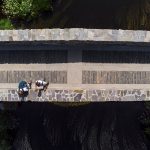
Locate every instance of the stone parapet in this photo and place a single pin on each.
(78, 34)
(99, 95)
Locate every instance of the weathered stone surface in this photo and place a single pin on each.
(3, 76)
(16, 76)
(74, 34)
(115, 77)
(76, 96)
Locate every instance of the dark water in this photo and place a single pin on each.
(94, 126)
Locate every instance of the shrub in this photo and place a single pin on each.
(25, 8)
(5, 24)
(40, 6)
(16, 8)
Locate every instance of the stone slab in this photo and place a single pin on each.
(78, 34)
(115, 77)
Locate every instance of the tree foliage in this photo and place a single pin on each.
(25, 8)
(135, 15)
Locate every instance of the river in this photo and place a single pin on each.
(94, 126)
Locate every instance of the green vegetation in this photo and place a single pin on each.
(25, 9)
(16, 8)
(27, 14)
(41, 6)
(134, 15)
(5, 24)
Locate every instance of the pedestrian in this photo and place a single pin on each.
(23, 88)
(41, 85)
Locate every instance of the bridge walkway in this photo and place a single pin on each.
(76, 82)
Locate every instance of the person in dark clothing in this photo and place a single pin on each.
(23, 88)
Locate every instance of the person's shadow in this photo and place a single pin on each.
(23, 96)
(39, 93)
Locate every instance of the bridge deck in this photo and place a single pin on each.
(76, 82)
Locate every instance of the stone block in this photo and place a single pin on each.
(75, 34)
(65, 34)
(3, 77)
(147, 37)
(139, 36)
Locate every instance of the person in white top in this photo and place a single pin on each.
(41, 85)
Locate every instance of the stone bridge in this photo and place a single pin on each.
(80, 64)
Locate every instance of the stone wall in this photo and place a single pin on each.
(74, 34)
(59, 77)
(115, 77)
(79, 95)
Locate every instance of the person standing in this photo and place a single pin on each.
(23, 88)
(41, 85)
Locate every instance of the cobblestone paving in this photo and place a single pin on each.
(79, 95)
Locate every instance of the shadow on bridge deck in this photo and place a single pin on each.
(59, 56)
(58, 52)
(116, 57)
(32, 56)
